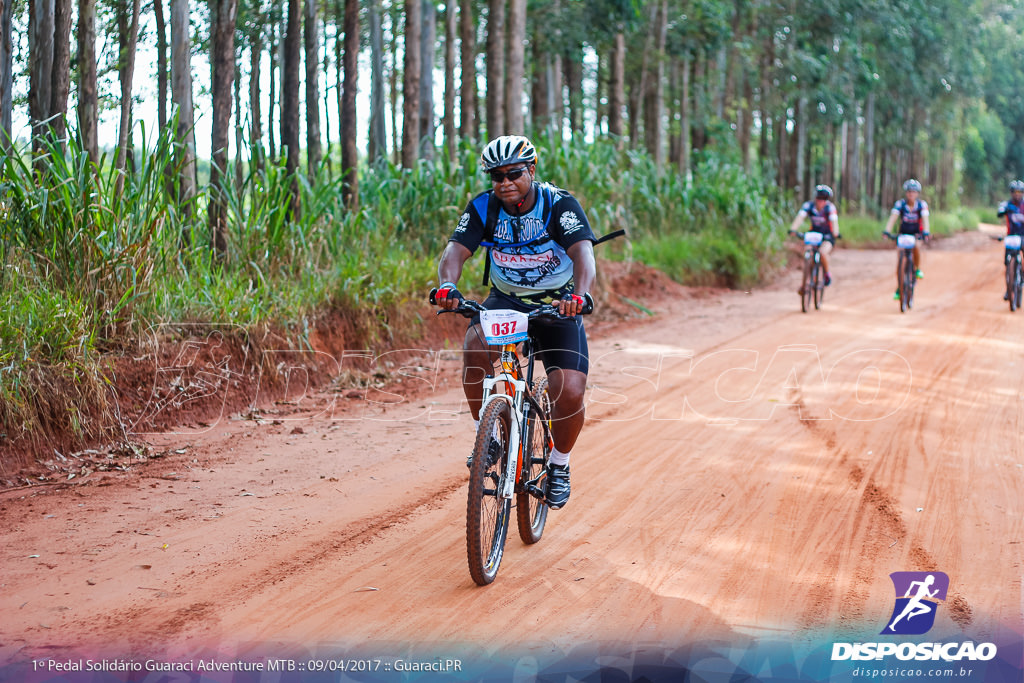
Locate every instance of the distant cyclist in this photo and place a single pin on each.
(540, 249)
(1013, 210)
(824, 219)
(912, 212)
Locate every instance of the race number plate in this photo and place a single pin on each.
(813, 238)
(906, 241)
(503, 326)
(1012, 242)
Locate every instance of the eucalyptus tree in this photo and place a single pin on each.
(411, 85)
(312, 81)
(223, 21)
(378, 125)
(349, 151)
(6, 72)
(290, 101)
(495, 68)
(469, 128)
(514, 66)
(181, 96)
(88, 102)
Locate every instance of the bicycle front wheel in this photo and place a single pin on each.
(487, 513)
(819, 286)
(531, 510)
(907, 284)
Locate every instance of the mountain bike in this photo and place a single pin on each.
(813, 286)
(1014, 269)
(905, 268)
(513, 442)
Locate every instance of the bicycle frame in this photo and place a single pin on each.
(514, 392)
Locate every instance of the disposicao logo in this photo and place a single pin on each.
(918, 595)
(917, 600)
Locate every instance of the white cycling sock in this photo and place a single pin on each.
(476, 425)
(559, 458)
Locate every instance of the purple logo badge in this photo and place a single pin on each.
(917, 599)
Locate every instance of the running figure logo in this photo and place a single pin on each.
(917, 599)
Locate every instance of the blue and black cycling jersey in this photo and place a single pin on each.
(529, 253)
(821, 221)
(1014, 214)
(910, 216)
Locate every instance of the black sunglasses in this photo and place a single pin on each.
(514, 174)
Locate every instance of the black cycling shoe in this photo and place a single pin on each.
(557, 493)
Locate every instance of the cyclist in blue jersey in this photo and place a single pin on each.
(824, 219)
(912, 212)
(540, 249)
(1013, 211)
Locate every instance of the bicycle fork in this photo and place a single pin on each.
(515, 402)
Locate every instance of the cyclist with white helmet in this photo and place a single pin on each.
(1013, 211)
(824, 219)
(912, 212)
(540, 249)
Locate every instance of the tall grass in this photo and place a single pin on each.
(86, 268)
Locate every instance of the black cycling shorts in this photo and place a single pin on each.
(560, 343)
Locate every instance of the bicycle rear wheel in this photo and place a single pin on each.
(906, 284)
(1015, 280)
(531, 511)
(1018, 281)
(487, 513)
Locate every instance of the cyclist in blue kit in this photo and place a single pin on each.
(912, 212)
(824, 219)
(1013, 211)
(540, 250)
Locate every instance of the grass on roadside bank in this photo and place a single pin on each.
(863, 231)
(87, 268)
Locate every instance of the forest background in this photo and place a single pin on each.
(343, 140)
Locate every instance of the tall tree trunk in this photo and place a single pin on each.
(450, 30)
(801, 146)
(40, 47)
(540, 113)
(428, 51)
(655, 95)
(7, 71)
(181, 96)
(515, 67)
(61, 67)
(377, 149)
(239, 141)
(397, 151)
(469, 127)
(617, 86)
(312, 53)
(349, 150)
(255, 115)
(685, 119)
(161, 63)
(273, 48)
(290, 101)
(128, 71)
(495, 68)
(869, 149)
(339, 79)
(411, 84)
(88, 103)
(700, 98)
(223, 14)
(572, 64)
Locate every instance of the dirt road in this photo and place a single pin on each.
(747, 474)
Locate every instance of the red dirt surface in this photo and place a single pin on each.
(746, 472)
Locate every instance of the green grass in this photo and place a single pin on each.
(858, 231)
(86, 267)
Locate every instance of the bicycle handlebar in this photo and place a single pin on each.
(467, 308)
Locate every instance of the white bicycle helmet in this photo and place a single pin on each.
(912, 186)
(823, 192)
(508, 149)
(1016, 186)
